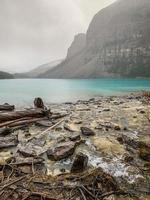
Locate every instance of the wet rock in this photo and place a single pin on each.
(7, 107)
(45, 123)
(61, 151)
(9, 141)
(5, 157)
(124, 139)
(61, 139)
(87, 131)
(117, 127)
(80, 163)
(78, 122)
(5, 131)
(58, 129)
(128, 158)
(143, 147)
(71, 127)
(144, 152)
(32, 149)
(106, 109)
(75, 137)
(108, 146)
(142, 112)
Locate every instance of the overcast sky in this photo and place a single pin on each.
(34, 32)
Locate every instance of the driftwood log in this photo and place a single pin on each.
(25, 122)
(7, 107)
(21, 114)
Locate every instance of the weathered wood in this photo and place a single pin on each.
(25, 122)
(13, 121)
(7, 107)
(20, 114)
(38, 103)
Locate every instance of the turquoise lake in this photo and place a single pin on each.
(23, 91)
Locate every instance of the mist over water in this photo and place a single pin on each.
(22, 92)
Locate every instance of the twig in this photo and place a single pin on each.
(48, 129)
(15, 181)
(33, 172)
(88, 191)
(45, 196)
(13, 121)
(108, 194)
(82, 193)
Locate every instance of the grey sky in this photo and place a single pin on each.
(33, 32)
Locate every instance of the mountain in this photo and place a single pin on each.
(77, 45)
(36, 72)
(5, 75)
(117, 44)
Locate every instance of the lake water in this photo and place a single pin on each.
(23, 91)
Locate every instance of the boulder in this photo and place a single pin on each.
(87, 131)
(80, 163)
(61, 151)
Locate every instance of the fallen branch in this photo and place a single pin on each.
(13, 121)
(21, 114)
(13, 182)
(25, 122)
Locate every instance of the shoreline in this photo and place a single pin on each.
(115, 139)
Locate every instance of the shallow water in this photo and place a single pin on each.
(23, 91)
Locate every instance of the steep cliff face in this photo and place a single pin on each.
(120, 37)
(77, 45)
(117, 44)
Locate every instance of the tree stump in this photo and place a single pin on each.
(38, 103)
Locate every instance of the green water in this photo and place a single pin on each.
(23, 91)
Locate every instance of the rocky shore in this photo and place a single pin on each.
(93, 149)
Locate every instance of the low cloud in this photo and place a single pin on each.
(33, 32)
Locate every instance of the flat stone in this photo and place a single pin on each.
(61, 151)
(106, 109)
(71, 127)
(33, 148)
(45, 123)
(87, 131)
(75, 137)
(10, 141)
(80, 163)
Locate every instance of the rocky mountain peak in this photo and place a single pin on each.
(77, 45)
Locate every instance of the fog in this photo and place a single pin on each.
(34, 32)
